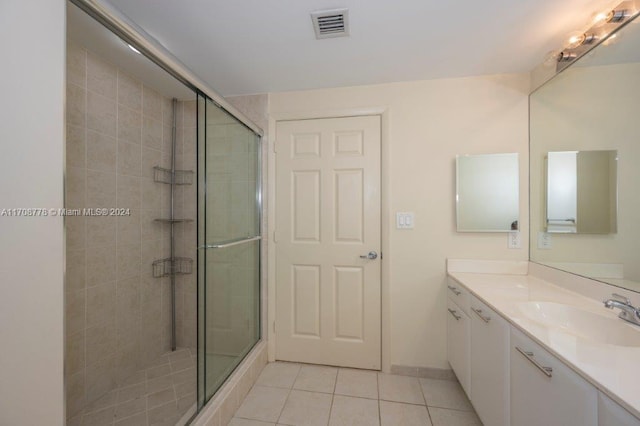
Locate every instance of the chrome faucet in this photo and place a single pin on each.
(628, 312)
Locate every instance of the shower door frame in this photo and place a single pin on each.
(134, 35)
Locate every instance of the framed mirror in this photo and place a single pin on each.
(582, 192)
(584, 156)
(487, 195)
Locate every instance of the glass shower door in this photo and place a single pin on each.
(229, 241)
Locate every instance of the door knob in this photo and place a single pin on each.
(372, 255)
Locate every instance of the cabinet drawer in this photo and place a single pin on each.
(458, 344)
(489, 364)
(544, 391)
(459, 295)
(612, 414)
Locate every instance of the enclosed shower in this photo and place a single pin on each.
(162, 292)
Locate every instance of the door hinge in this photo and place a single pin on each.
(275, 147)
(275, 237)
(274, 327)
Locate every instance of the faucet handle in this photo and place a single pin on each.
(621, 298)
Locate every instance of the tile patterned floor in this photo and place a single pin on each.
(302, 394)
(158, 395)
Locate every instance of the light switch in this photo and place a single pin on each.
(404, 220)
(544, 240)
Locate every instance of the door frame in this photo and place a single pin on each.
(385, 221)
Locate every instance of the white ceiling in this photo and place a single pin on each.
(257, 46)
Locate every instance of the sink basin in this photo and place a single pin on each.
(582, 323)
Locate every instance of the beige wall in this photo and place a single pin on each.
(32, 262)
(118, 316)
(425, 124)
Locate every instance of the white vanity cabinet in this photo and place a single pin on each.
(612, 414)
(458, 343)
(544, 391)
(489, 364)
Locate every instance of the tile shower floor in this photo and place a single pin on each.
(302, 394)
(157, 395)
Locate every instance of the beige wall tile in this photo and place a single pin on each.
(101, 265)
(101, 114)
(75, 188)
(75, 391)
(101, 231)
(152, 194)
(76, 107)
(101, 341)
(76, 269)
(129, 229)
(101, 189)
(129, 125)
(151, 133)
(129, 91)
(101, 305)
(128, 192)
(75, 311)
(129, 159)
(128, 257)
(100, 378)
(101, 76)
(150, 229)
(75, 231)
(151, 103)
(76, 146)
(76, 65)
(74, 353)
(101, 152)
(150, 159)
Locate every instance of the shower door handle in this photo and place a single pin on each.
(372, 255)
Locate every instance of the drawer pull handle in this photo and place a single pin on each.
(482, 317)
(454, 290)
(548, 371)
(452, 312)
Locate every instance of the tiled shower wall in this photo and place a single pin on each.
(117, 315)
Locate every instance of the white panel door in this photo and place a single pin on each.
(327, 217)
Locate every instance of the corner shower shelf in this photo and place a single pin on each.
(173, 220)
(177, 177)
(172, 266)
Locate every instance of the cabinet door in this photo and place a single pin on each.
(544, 391)
(489, 365)
(611, 414)
(458, 343)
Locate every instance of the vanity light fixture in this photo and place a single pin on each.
(579, 40)
(566, 56)
(604, 24)
(617, 15)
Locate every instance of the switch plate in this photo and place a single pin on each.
(514, 240)
(544, 240)
(405, 220)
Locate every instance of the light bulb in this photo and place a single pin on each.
(134, 49)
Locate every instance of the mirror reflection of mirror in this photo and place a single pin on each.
(587, 114)
(487, 197)
(582, 192)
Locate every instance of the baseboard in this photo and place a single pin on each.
(423, 372)
(221, 408)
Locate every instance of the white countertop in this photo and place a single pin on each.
(614, 370)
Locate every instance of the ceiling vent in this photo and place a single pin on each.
(331, 23)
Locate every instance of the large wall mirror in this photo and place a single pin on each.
(585, 164)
